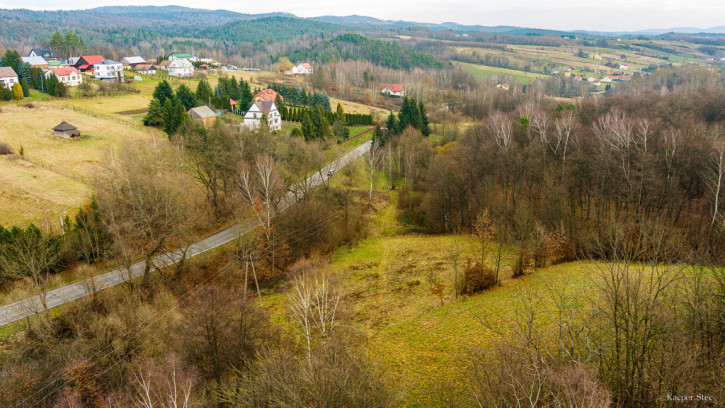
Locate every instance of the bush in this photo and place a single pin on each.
(523, 263)
(6, 149)
(477, 278)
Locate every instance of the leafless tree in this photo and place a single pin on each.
(500, 129)
(715, 177)
(373, 159)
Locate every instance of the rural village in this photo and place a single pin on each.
(208, 208)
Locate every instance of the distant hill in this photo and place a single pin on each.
(275, 28)
(358, 47)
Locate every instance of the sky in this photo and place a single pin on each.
(607, 15)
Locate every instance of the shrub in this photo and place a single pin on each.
(523, 263)
(477, 278)
(6, 149)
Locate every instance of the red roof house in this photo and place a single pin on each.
(85, 63)
(266, 95)
(393, 89)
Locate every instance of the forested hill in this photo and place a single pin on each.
(358, 47)
(275, 28)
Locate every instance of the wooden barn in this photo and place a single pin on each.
(203, 115)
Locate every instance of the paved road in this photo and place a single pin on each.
(28, 307)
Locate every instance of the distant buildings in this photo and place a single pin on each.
(393, 90)
(253, 117)
(108, 70)
(8, 77)
(181, 68)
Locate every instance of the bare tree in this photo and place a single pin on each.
(145, 205)
(715, 177)
(373, 159)
(500, 129)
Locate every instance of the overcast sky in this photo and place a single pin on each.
(609, 15)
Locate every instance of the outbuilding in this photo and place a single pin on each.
(66, 130)
(203, 115)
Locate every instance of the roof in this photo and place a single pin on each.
(134, 60)
(144, 67)
(64, 127)
(165, 63)
(306, 65)
(394, 87)
(65, 71)
(201, 112)
(266, 95)
(7, 72)
(181, 55)
(34, 60)
(264, 106)
(107, 62)
(43, 52)
(91, 59)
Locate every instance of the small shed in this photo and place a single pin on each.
(203, 115)
(66, 130)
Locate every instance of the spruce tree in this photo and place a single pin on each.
(185, 96)
(424, 124)
(308, 128)
(340, 113)
(155, 114)
(203, 92)
(163, 92)
(392, 124)
(50, 84)
(26, 88)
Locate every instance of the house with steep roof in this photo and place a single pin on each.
(108, 70)
(203, 115)
(44, 53)
(8, 77)
(302, 69)
(69, 76)
(259, 109)
(86, 62)
(35, 62)
(393, 90)
(266, 95)
(181, 68)
(145, 69)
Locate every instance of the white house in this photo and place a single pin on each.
(145, 69)
(606, 79)
(108, 70)
(8, 77)
(302, 69)
(393, 90)
(181, 68)
(253, 117)
(179, 55)
(624, 67)
(592, 79)
(69, 76)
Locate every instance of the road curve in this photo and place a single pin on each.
(27, 307)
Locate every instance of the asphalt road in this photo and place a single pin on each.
(57, 297)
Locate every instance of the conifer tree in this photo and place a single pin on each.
(163, 92)
(17, 91)
(308, 128)
(155, 114)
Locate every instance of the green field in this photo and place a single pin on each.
(483, 71)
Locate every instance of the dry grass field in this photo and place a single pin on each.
(54, 173)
